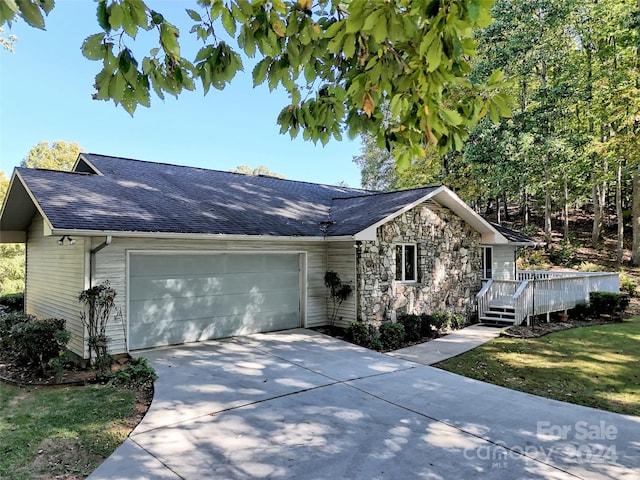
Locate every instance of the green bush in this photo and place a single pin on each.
(7, 322)
(13, 302)
(412, 326)
(36, 342)
(441, 320)
(392, 335)
(628, 285)
(426, 325)
(136, 374)
(605, 302)
(581, 311)
(565, 255)
(457, 321)
(358, 333)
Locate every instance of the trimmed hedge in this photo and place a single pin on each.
(13, 302)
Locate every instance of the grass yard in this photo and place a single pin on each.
(597, 366)
(64, 431)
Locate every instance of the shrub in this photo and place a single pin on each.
(565, 255)
(581, 311)
(457, 321)
(338, 292)
(364, 335)
(392, 335)
(136, 374)
(426, 325)
(412, 326)
(441, 320)
(36, 342)
(606, 302)
(13, 302)
(589, 267)
(628, 285)
(7, 322)
(531, 260)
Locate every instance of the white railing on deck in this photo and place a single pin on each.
(539, 292)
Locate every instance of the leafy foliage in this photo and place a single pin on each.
(259, 170)
(136, 374)
(36, 342)
(13, 302)
(59, 155)
(392, 335)
(364, 335)
(412, 326)
(99, 302)
(606, 303)
(338, 292)
(339, 61)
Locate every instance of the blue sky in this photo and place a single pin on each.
(45, 94)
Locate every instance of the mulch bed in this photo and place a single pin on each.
(542, 329)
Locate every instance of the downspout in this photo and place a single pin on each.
(92, 258)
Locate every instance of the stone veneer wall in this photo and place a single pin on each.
(449, 267)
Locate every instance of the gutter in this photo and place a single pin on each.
(92, 257)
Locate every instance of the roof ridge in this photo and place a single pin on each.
(38, 169)
(374, 193)
(224, 171)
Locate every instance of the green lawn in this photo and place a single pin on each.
(596, 366)
(53, 431)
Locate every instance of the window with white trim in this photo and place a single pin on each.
(487, 263)
(406, 263)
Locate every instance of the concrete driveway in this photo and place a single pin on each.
(299, 404)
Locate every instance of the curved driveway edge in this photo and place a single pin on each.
(299, 404)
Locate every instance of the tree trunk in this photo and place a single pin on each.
(599, 191)
(635, 215)
(566, 209)
(547, 201)
(498, 219)
(506, 208)
(620, 246)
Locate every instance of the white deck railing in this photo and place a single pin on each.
(540, 292)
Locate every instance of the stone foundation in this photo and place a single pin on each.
(449, 267)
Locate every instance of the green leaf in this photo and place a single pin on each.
(169, 39)
(47, 5)
(117, 86)
(116, 15)
(92, 48)
(31, 13)
(103, 16)
(260, 71)
(228, 22)
(127, 21)
(8, 11)
(129, 101)
(434, 55)
(194, 15)
(452, 117)
(138, 12)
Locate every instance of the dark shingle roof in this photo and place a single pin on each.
(139, 196)
(513, 236)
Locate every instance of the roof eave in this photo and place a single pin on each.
(195, 236)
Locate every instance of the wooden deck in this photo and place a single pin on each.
(538, 292)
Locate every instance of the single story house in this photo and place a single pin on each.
(196, 254)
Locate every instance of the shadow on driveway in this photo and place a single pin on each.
(299, 404)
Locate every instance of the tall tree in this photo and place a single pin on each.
(259, 170)
(59, 155)
(339, 61)
(11, 255)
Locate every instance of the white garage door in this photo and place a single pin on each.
(179, 298)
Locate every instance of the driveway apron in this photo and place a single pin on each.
(299, 404)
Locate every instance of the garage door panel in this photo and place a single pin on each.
(150, 287)
(178, 298)
(168, 332)
(247, 304)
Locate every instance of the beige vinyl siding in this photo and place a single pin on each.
(341, 259)
(504, 266)
(110, 264)
(55, 278)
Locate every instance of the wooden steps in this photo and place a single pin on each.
(499, 312)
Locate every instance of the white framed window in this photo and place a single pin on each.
(406, 262)
(487, 263)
